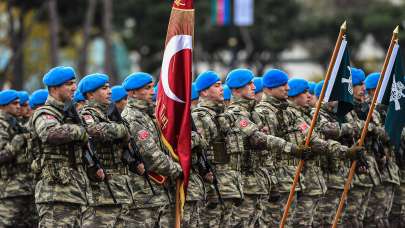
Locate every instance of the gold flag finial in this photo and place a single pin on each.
(395, 32)
(343, 27)
(179, 3)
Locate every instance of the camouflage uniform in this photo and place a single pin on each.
(334, 170)
(382, 196)
(358, 197)
(243, 139)
(149, 210)
(63, 188)
(108, 140)
(397, 217)
(16, 195)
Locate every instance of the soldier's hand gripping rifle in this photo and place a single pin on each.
(134, 158)
(205, 165)
(90, 155)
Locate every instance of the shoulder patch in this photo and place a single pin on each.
(303, 127)
(88, 119)
(143, 135)
(49, 117)
(243, 123)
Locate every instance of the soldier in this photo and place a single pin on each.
(149, 210)
(382, 196)
(111, 199)
(62, 190)
(119, 97)
(25, 111)
(311, 90)
(16, 189)
(227, 95)
(243, 139)
(38, 98)
(364, 180)
(79, 99)
(257, 81)
(194, 96)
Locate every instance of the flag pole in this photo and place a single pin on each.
(394, 40)
(339, 40)
(178, 206)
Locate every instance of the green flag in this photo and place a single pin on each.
(340, 86)
(392, 93)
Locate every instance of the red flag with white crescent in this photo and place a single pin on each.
(174, 93)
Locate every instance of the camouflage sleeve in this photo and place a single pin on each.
(200, 122)
(6, 152)
(330, 130)
(51, 131)
(104, 131)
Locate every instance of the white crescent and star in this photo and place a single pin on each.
(176, 44)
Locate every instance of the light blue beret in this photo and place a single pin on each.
(297, 86)
(24, 96)
(194, 93)
(78, 96)
(38, 97)
(274, 78)
(7, 96)
(227, 92)
(58, 75)
(372, 80)
(205, 80)
(137, 80)
(318, 88)
(92, 82)
(118, 93)
(258, 84)
(312, 86)
(239, 78)
(358, 76)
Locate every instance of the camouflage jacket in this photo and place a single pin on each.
(108, 140)
(15, 174)
(401, 163)
(372, 177)
(144, 128)
(244, 142)
(59, 164)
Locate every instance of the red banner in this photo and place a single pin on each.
(174, 93)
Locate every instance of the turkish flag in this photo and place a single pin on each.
(174, 91)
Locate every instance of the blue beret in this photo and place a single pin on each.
(205, 80)
(318, 88)
(155, 91)
(194, 93)
(358, 76)
(38, 97)
(7, 96)
(58, 75)
(258, 84)
(227, 93)
(312, 86)
(23, 96)
(92, 82)
(78, 96)
(274, 78)
(372, 80)
(137, 80)
(297, 86)
(118, 93)
(239, 78)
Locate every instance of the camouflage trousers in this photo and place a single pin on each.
(397, 216)
(379, 205)
(18, 212)
(305, 210)
(59, 215)
(273, 210)
(357, 202)
(107, 216)
(249, 211)
(219, 216)
(327, 209)
(153, 217)
(191, 214)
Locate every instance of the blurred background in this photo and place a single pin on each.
(118, 37)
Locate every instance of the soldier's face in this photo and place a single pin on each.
(214, 92)
(302, 99)
(102, 95)
(312, 100)
(359, 92)
(121, 104)
(65, 92)
(248, 91)
(13, 108)
(25, 110)
(280, 92)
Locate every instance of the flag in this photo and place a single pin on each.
(243, 12)
(340, 86)
(392, 94)
(174, 93)
(221, 12)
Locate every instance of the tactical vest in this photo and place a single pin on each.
(63, 155)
